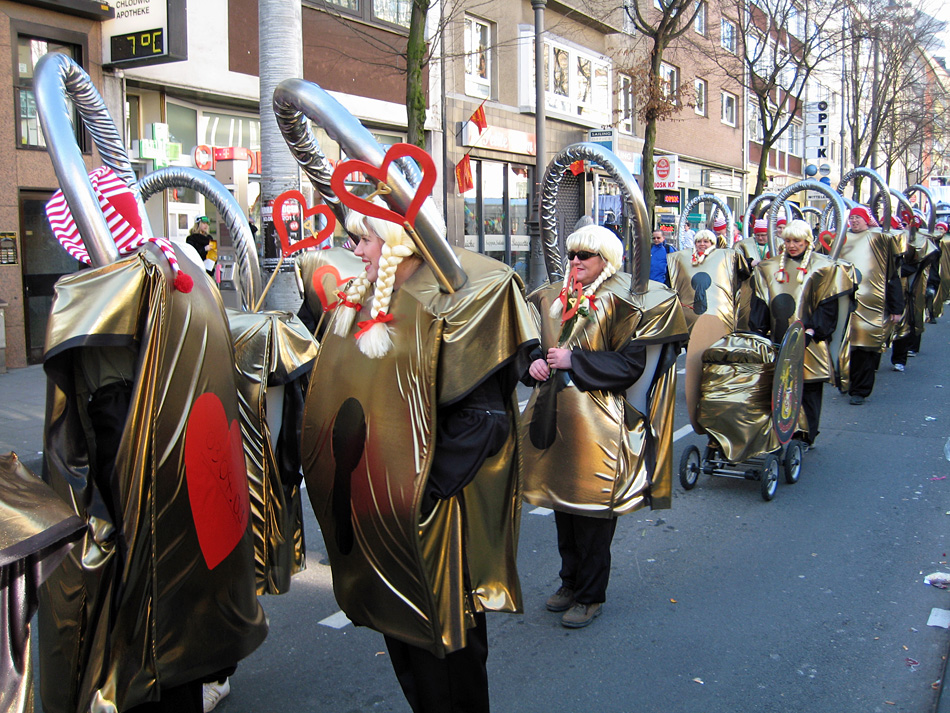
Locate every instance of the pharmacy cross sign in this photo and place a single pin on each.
(159, 148)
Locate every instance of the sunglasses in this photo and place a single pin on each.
(582, 254)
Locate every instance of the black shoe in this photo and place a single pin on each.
(857, 400)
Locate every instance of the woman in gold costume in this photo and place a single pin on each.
(801, 284)
(409, 453)
(586, 446)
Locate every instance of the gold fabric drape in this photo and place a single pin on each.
(272, 350)
(161, 591)
(872, 254)
(37, 529)
(916, 251)
(612, 453)
(943, 291)
(750, 251)
(368, 442)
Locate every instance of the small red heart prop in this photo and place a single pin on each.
(277, 215)
(361, 205)
(217, 479)
(826, 238)
(320, 287)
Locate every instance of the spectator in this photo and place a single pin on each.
(658, 252)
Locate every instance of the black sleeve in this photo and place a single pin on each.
(894, 291)
(823, 320)
(306, 315)
(467, 433)
(525, 377)
(608, 371)
(760, 321)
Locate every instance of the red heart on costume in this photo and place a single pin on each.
(217, 479)
(361, 205)
(320, 287)
(277, 215)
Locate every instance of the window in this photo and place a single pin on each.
(578, 81)
(669, 75)
(728, 108)
(700, 99)
(727, 35)
(394, 12)
(699, 24)
(29, 51)
(626, 105)
(793, 136)
(754, 123)
(477, 58)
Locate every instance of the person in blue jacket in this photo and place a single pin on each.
(658, 252)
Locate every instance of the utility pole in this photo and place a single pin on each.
(281, 57)
(537, 269)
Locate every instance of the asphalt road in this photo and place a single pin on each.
(813, 602)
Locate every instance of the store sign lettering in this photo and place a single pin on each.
(205, 157)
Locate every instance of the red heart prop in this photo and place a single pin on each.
(320, 288)
(217, 479)
(361, 205)
(285, 247)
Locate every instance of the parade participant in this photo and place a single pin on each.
(880, 299)
(756, 248)
(200, 239)
(938, 284)
(919, 257)
(708, 285)
(142, 437)
(410, 457)
(658, 252)
(586, 448)
(720, 226)
(800, 284)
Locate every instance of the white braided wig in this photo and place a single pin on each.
(595, 239)
(376, 341)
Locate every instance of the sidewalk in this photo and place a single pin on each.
(22, 407)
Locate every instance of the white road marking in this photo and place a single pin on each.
(540, 511)
(335, 621)
(680, 432)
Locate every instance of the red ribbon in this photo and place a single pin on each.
(365, 326)
(346, 303)
(781, 276)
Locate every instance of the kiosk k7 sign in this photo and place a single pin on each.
(665, 170)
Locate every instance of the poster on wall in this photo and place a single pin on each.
(145, 32)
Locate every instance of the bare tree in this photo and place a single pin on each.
(656, 99)
(779, 45)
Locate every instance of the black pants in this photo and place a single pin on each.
(584, 544)
(910, 343)
(456, 684)
(180, 699)
(864, 362)
(811, 405)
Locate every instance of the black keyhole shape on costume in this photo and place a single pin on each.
(543, 427)
(700, 283)
(348, 441)
(783, 309)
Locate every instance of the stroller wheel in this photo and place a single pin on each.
(792, 462)
(769, 476)
(690, 465)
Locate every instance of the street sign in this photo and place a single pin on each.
(603, 137)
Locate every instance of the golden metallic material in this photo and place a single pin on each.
(272, 350)
(917, 250)
(368, 441)
(37, 529)
(600, 463)
(794, 300)
(735, 407)
(710, 295)
(872, 254)
(324, 274)
(161, 591)
(751, 251)
(943, 291)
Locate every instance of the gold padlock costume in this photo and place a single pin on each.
(873, 254)
(609, 457)
(943, 290)
(136, 608)
(368, 444)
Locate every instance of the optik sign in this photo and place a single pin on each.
(817, 135)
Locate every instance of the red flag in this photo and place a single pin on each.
(577, 168)
(463, 175)
(478, 118)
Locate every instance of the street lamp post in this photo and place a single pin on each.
(537, 272)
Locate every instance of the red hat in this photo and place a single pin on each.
(941, 223)
(780, 222)
(896, 224)
(719, 223)
(121, 212)
(760, 226)
(862, 212)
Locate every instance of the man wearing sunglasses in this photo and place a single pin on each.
(658, 252)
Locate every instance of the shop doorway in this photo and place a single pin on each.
(44, 262)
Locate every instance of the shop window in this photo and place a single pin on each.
(496, 212)
(478, 65)
(29, 50)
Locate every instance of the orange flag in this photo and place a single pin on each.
(463, 175)
(478, 118)
(577, 168)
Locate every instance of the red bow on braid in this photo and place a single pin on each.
(365, 326)
(781, 276)
(341, 296)
(591, 301)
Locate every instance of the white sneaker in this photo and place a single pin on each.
(213, 693)
(897, 367)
